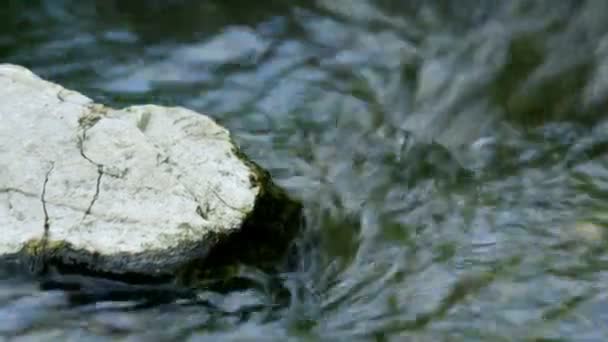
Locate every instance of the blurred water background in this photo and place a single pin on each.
(451, 157)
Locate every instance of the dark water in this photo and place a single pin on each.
(451, 156)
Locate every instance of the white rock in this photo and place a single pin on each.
(143, 190)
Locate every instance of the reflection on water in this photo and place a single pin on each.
(450, 155)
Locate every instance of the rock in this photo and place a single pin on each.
(144, 192)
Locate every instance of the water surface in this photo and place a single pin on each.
(451, 157)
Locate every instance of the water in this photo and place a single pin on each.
(451, 157)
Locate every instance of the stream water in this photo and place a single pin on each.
(451, 157)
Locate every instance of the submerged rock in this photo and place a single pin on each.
(143, 192)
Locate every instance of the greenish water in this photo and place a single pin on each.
(451, 156)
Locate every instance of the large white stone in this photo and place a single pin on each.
(145, 189)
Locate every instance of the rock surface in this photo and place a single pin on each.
(145, 191)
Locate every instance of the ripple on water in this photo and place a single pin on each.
(451, 158)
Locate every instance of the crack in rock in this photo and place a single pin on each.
(39, 264)
(19, 191)
(43, 199)
(100, 172)
(96, 195)
(242, 211)
(81, 141)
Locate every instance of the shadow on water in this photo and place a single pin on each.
(451, 158)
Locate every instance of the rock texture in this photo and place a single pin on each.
(145, 191)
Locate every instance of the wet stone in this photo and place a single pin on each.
(142, 192)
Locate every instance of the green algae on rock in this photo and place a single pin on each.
(138, 193)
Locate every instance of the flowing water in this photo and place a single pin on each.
(452, 157)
